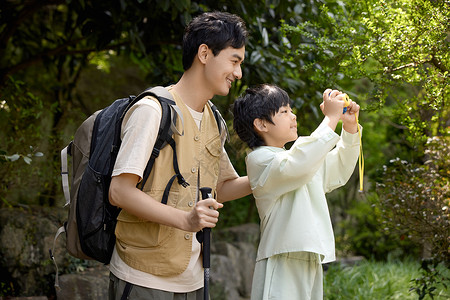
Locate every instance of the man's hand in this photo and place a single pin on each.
(203, 215)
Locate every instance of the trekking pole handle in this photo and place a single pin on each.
(206, 193)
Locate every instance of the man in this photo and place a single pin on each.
(156, 254)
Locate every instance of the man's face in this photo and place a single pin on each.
(222, 70)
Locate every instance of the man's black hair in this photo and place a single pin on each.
(218, 30)
(259, 102)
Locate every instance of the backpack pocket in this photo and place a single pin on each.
(96, 220)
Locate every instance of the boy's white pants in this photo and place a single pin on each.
(288, 276)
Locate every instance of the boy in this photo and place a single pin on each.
(289, 187)
(157, 255)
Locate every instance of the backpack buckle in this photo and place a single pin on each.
(155, 153)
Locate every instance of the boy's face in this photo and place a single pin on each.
(283, 129)
(222, 70)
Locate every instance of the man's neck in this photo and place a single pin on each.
(192, 91)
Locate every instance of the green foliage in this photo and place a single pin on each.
(8, 159)
(390, 44)
(26, 158)
(6, 288)
(267, 60)
(363, 233)
(48, 44)
(415, 198)
(20, 111)
(371, 280)
(434, 275)
(20, 115)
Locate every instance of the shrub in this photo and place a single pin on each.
(415, 199)
(362, 233)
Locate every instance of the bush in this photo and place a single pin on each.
(362, 233)
(415, 199)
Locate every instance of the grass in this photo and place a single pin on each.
(372, 280)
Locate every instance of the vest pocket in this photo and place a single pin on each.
(211, 161)
(214, 146)
(142, 234)
(137, 232)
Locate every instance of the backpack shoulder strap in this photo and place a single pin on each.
(164, 96)
(221, 124)
(170, 112)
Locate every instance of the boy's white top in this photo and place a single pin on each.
(289, 187)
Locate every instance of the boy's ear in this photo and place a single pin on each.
(202, 53)
(260, 125)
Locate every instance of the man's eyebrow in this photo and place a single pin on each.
(237, 56)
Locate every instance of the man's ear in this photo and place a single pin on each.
(202, 53)
(260, 125)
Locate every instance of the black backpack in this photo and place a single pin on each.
(92, 219)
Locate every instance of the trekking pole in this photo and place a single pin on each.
(206, 193)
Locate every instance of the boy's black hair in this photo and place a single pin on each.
(259, 102)
(218, 30)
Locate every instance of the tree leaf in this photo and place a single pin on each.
(13, 157)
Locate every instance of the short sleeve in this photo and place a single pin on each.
(226, 170)
(139, 131)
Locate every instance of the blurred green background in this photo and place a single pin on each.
(62, 60)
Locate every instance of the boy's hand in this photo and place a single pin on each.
(349, 121)
(333, 104)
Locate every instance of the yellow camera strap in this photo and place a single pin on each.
(361, 156)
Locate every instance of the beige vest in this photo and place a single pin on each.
(161, 250)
